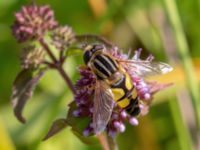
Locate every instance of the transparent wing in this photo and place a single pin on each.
(146, 68)
(103, 106)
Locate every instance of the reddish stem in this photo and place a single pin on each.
(58, 65)
(103, 141)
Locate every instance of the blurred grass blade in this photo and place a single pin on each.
(23, 87)
(5, 143)
(183, 50)
(184, 137)
(56, 127)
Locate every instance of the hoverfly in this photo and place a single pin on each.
(113, 83)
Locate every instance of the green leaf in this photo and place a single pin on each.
(78, 124)
(23, 87)
(56, 127)
(91, 140)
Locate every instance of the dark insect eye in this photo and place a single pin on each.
(87, 56)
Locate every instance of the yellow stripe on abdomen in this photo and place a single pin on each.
(124, 103)
(128, 82)
(118, 93)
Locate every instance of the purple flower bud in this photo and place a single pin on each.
(133, 121)
(112, 133)
(141, 106)
(119, 126)
(116, 124)
(142, 84)
(144, 90)
(138, 87)
(86, 132)
(115, 116)
(122, 128)
(147, 96)
(123, 114)
(76, 113)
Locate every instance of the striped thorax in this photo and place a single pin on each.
(101, 64)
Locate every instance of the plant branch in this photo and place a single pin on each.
(67, 80)
(58, 65)
(103, 141)
(112, 143)
(46, 47)
(107, 142)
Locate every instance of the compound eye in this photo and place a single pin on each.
(87, 56)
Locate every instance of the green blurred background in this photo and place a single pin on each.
(169, 29)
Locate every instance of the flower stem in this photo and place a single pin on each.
(183, 50)
(67, 80)
(107, 142)
(46, 47)
(112, 143)
(103, 141)
(58, 65)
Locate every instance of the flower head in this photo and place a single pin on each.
(33, 21)
(62, 37)
(31, 56)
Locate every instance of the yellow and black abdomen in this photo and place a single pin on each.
(125, 95)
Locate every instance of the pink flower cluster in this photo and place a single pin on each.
(32, 22)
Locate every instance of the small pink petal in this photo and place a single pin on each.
(122, 128)
(133, 121)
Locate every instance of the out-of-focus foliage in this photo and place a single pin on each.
(171, 123)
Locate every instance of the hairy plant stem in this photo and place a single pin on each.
(103, 141)
(107, 142)
(58, 65)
